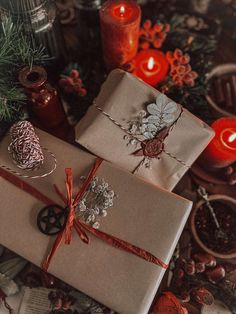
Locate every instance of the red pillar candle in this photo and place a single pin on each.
(151, 66)
(221, 152)
(120, 23)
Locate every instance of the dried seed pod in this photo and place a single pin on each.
(200, 267)
(202, 296)
(179, 273)
(207, 259)
(216, 274)
(190, 267)
(184, 296)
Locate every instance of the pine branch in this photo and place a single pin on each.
(17, 50)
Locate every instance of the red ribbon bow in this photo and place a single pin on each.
(73, 222)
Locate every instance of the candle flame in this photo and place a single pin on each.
(122, 10)
(150, 64)
(232, 138)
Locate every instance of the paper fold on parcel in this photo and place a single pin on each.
(123, 96)
(143, 215)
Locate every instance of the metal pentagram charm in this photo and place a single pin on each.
(52, 219)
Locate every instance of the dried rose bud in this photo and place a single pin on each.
(200, 267)
(216, 274)
(207, 259)
(202, 296)
(190, 267)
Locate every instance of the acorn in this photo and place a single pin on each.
(190, 267)
(202, 296)
(216, 274)
(207, 259)
(200, 267)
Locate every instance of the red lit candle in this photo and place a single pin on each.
(151, 66)
(221, 152)
(120, 23)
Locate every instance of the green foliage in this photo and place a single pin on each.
(17, 50)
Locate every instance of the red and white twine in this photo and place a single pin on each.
(26, 151)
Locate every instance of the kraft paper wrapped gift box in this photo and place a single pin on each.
(122, 98)
(143, 215)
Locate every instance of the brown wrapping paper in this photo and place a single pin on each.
(143, 215)
(123, 96)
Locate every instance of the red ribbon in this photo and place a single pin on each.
(73, 222)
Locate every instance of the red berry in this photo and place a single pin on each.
(144, 45)
(169, 56)
(194, 74)
(158, 28)
(157, 43)
(74, 73)
(147, 24)
(180, 69)
(178, 53)
(83, 92)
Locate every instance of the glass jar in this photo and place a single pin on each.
(40, 21)
(43, 100)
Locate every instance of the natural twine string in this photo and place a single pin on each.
(26, 151)
(129, 133)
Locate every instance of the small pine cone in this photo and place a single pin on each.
(216, 274)
(202, 296)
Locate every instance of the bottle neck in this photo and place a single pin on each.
(88, 4)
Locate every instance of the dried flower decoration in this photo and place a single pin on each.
(95, 203)
(181, 71)
(153, 35)
(156, 117)
(150, 128)
(72, 83)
